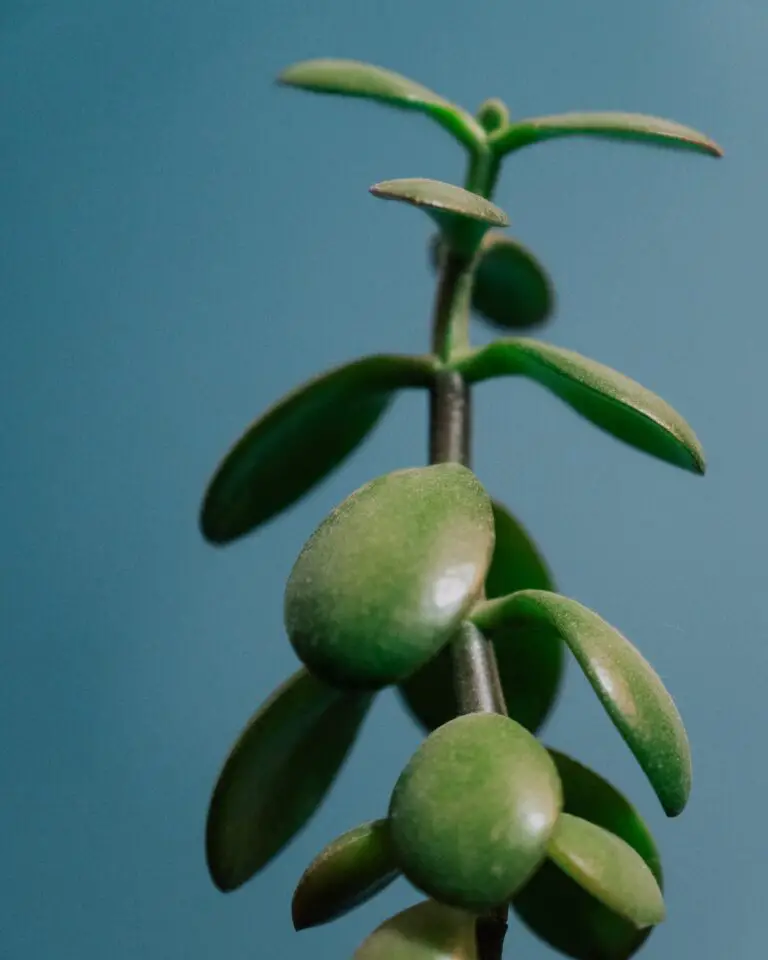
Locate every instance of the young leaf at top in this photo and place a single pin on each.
(609, 125)
(463, 217)
(301, 439)
(277, 774)
(349, 871)
(511, 289)
(350, 78)
(530, 658)
(389, 575)
(556, 907)
(631, 692)
(426, 931)
(608, 399)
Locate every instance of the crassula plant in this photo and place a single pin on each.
(421, 581)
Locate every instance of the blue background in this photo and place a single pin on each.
(181, 243)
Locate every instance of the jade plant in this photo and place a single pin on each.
(421, 581)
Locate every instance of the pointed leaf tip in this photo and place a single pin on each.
(442, 198)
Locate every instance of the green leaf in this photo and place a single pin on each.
(463, 217)
(560, 911)
(626, 684)
(301, 439)
(607, 398)
(350, 870)
(426, 931)
(473, 811)
(608, 125)
(530, 659)
(389, 575)
(511, 289)
(608, 868)
(277, 774)
(351, 78)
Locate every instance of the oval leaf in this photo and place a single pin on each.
(388, 576)
(427, 931)
(530, 659)
(351, 78)
(472, 812)
(607, 398)
(277, 774)
(559, 910)
(349, 871)
(630, 690)
(609, 125)
(607, 868)
(300, 440)
(511, 289)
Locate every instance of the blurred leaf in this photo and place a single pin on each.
(607, 398)
(561, 912)
(511, 289)
(530, 658)
(427, 931)
(301, 439)
(351, 78)
(277, 774)
(388, 576)
(626, 684)
(472, 812)
(350, 870)
(608, 125)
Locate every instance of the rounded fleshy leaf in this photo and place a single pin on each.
(463, 217)
(610, 125)
(628, 687)
(388, 576)
(473, 811)
(277, 774)
(350, 870)
(607, 398)
(511, 288)
(426, 931)
(530, 660)
(560, 911)
(351, 78)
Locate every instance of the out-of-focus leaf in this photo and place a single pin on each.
(426, 931)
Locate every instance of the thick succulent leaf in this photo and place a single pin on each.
(463, 217)
(530, 659)
(610, 125)
(473, 810)
(386, 579)
(607, 868)
(511, 288)
(301, 439)
(277, 774)
(349, 871)
(560, 911)
(630, 690)
(351, 78)
(426, 931)
(608, 399)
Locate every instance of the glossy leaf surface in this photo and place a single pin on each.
(277, 774)
(511, 288)
(427, 931)
(473, 811)
(530, 658)
(609, 125)
(607, 398)
(463, 217)
(388, 576)
(560, 911)
(351, 78)
(626, 684)
(349, 871)
(300, 440)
